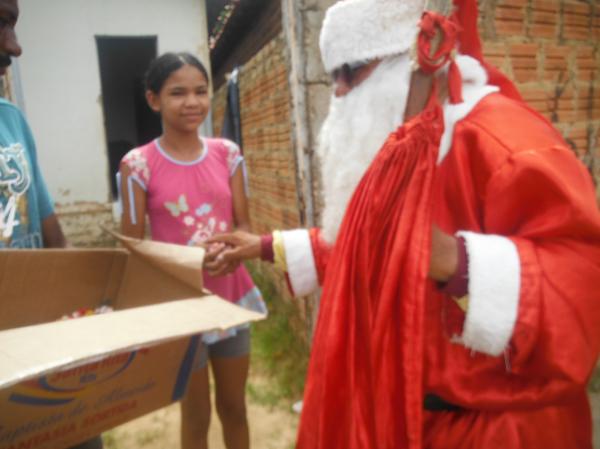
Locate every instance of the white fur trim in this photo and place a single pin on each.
(371, 111)
(494, 287)
(354, 30)
(300, 262)
(474, 89)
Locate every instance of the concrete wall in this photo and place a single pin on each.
(310, 94)
(60, 78)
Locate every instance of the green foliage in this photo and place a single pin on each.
(279, 350)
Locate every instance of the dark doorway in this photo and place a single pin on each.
(128, 121)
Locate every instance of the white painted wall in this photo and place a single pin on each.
(61, 78)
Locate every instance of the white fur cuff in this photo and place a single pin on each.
(474, 89)
(300, 262)
(494, 287)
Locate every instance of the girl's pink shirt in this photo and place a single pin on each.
(187, 202)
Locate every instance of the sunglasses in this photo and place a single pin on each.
(347, 72)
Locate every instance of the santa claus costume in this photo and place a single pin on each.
(396, 361)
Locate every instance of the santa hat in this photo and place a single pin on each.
(356, 30)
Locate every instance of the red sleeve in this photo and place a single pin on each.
(545, 203)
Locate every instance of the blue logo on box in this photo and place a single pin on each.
(67, 385)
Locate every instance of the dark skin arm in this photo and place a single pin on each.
(52, 233)
(444, 247)
(444, 255)
(244, 245)
(241, 216)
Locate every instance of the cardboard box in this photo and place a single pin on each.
(62, 382)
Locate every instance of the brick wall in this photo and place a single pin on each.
(551, 49)
(266, 134)
(268, 147)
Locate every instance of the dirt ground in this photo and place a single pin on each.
(271, 427)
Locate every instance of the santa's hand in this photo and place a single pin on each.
(239, 245)
(444, 255)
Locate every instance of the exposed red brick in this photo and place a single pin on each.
(491, 49)
(577, 7)
(576, 20)
(577, 137)
(537, 98)
(542, 30)
(545, 6)
(510, 14)
(267, 135)
(512, 3)
(494, 54)
(524, 61)
(509, 17)
(544, 21)
(596, 24)
(523, 50)
(586, 62)
(524, 75)
(550, 18)
(556, 66)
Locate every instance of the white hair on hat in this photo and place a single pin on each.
(356, 30)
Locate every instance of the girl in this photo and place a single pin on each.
(192, 187)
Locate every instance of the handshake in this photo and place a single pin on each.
(225, 252)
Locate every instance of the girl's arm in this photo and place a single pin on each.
(241, 216)
(133, 198)
(241, 221)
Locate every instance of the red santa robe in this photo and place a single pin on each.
(518, 361)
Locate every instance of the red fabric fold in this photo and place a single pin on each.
(469, 44)
(430, 24)
(321, 252)
(365, 383)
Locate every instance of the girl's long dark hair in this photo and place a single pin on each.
(162, 67)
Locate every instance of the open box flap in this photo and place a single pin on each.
(33, 351)
(182, 262)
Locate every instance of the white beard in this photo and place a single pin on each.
(356, 127)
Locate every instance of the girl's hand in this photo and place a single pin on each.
(212, 251)
(221, 268)
(213, 264)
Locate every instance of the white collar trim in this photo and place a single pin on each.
(474, 89)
